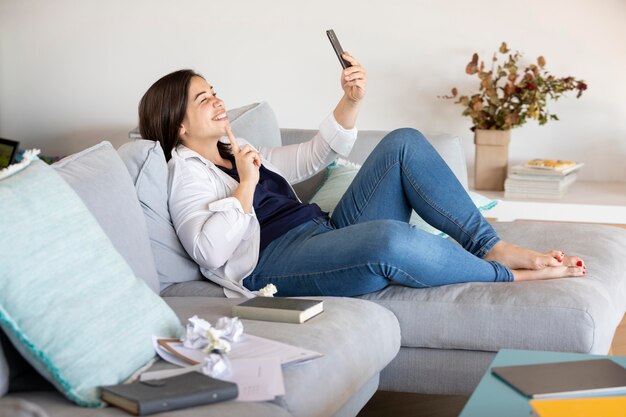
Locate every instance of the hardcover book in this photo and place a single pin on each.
(580, 407)
(188, 390)
(290, 310)
(526, 169)
(588, 378)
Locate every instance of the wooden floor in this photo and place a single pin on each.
(400, 404)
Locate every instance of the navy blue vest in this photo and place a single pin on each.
(276, 205)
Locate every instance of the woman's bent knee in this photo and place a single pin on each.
(404, 136)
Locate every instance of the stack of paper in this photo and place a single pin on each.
(541, 178)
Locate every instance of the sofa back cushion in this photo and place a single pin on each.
(257, 124)
(146, 164)
(100, 179)
(69, 303)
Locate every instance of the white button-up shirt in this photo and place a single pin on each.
(213, 227)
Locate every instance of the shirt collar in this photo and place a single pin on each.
(185, 153)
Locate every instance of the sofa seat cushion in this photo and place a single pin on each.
(357, 338)
(567, 314)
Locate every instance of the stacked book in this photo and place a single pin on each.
(541, 178)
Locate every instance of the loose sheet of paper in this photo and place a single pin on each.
(255, 367)
(258, 379)
(247, 347)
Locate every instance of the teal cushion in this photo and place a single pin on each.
(339, 176)
(69, 302)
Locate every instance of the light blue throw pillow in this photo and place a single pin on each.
(339, 176)
(69, 302)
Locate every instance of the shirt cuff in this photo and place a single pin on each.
(340, 140)
(225, 204)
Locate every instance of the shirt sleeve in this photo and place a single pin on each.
(300, 161)
(209, 226)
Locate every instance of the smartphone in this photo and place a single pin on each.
(337, 47)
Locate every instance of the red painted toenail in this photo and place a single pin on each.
(579, 263)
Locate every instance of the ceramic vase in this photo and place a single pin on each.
(492, 159)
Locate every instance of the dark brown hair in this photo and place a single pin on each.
(162, 110)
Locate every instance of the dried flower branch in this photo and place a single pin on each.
(507, 97)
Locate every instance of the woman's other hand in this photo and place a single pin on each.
(353, 79)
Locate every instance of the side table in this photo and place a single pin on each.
(585, 202)
(494, 398)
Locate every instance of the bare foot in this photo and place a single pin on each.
(573, 261)
(517, 257)
(548, 273)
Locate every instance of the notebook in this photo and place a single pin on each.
(290, 310)
(154, 396)
(587, 378)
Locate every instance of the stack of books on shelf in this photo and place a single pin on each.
(541, 178)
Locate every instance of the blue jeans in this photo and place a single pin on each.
(368, 243)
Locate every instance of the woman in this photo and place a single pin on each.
(237, 216)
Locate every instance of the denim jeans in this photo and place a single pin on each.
(368, 243)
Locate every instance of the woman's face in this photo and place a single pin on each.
(206, 115)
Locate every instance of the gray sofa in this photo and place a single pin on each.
(450, 334)
(437, 340)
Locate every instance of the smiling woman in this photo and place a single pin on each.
(235, 213)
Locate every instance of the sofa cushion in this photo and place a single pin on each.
(256, 123)
(69, 303)
(566, 314)
(100, 179)
(146, 164)
(357, 340)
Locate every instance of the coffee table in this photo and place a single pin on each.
(494, 398)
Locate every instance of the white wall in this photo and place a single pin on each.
(72, 71)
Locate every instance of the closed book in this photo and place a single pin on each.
(587, 378)
(290, 310)
(526, 170)
(188, 390)
(580, 407)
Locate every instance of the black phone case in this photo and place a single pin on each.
(337, 47)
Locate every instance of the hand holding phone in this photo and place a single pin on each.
(337, 47)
